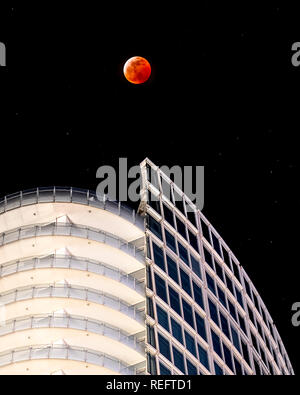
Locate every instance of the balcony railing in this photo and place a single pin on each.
(61, 229)
(69, 195)
(67, 352)
(72, 262)
(56, 320)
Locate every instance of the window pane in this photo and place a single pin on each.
(162, 317)
(232, 310)
(172, 269)
(218, 370)
(178, 359)
(176, 330)
(239, 297)
(235, 338)
(213, 312)
(203, 356)
(205, 230)
(238, 367)
(229, 284)
(216, 343)
(160, 288)
(158, 256)
(183, 253)
(222, 297)
(150, 310)
(216, 243)
(154, 202)
(227, 356)
(208, 257)
(219, 271)
(155, 227)
(193, 241)
(164, 346)
(168, 215)
(174, 300)
(190, 343)
(187, 313)
(211, 283)
(196, 266)
(198, 295)
(201, 326)
(191, 216)
(185, 282)
(181, 228)
(163, 370)
(170, 241)
(224, 325)
(151, 364)
(242, 324)
(151, 337)
(192, 370)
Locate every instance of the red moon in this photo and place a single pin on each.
(137, 70)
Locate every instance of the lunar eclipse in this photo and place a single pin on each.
(137, 70)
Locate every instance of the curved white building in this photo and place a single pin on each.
(89, 287)
(72, 295)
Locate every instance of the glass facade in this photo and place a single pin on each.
(207, 316)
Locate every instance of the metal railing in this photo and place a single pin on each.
(74, 292)
(61, 229)
(69, 195)
(56, 320)
(75, 263)
(49, 351)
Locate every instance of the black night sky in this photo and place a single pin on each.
(223, 94)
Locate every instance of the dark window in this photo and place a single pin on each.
(219, 271)
(200, 326)
(208, 257)
(161, 288)
(176, 330)
(245, 353)
(192, 370)
(239, 297)
(168, 215)
(155, 227)
(203, 356)
(254, 342)
(264, 315)
(193, 241)
(151, 336)
(255, 301)
(158, 256)
(216, 243)
(224, 325)
(238, 367)
(235, 339)
(205, 231)
(198, 295)
(172, 269)
(148, 248)
(257, 368)
(251, 316)
(174, 300)
(227, 356)
(196, 266)
(213, 312)
(216, 343)
(181, 228)
(178, 359)
(185, 281)
(164, 346)
(222, 297)
(226, 257)
(242, 324)
(154, 202)
(150, 310)
(170, 241)
(162, 317)
(190, 343)
(191, 216)
(183, 253)
(232, 310)
(218, 370)
(248, 290)
(236, 271)
(163, 370)
(149, 278)
(211, 283)
(151, 364)
(229, 284)
(187, 313)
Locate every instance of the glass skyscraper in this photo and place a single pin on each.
(88, 286)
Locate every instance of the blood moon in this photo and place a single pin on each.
(137, 70)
